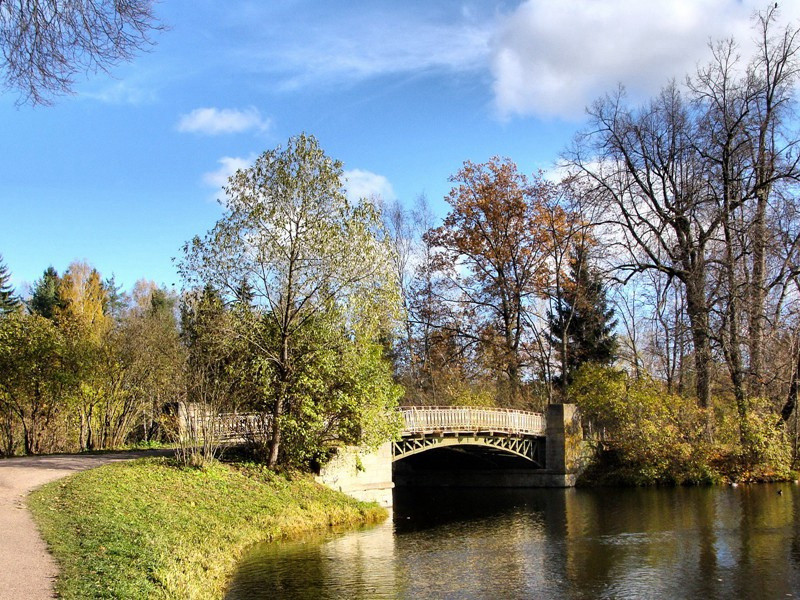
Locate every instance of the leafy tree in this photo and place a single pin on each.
(46, 44)
(582, 323)
(309, 256)
(44, 299)
(496, 258)
(147, 359)
(34, 381)
(8, 301)
(80, 315)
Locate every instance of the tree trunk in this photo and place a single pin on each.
(791, 398)
(758, 295)
(697, 311)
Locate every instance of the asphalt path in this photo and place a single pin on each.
(27, 570)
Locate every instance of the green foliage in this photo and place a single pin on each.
(341, 392)
(766, 452)
(650, 436)
(44, 299)
(582, 324)
(34, 381)
(148, 529)
(306, 282)
(8, 301)
(657, 437)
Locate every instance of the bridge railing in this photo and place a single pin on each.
(430, 419)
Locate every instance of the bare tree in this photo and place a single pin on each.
(46, 43)
(646, 172)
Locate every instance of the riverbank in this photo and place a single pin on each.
(150, 529)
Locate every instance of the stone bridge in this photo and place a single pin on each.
(467, 446)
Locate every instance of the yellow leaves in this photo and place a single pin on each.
(83, 300)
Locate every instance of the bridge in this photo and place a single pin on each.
(440, 445)
(545, 448)
(516, 432)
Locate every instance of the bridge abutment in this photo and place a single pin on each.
(564, 446)
(363, 475)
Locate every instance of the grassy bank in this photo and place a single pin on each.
(149, 529)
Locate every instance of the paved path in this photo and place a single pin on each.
(27, 571)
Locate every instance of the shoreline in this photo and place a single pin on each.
(149, 528)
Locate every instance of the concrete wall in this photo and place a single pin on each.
(363, 475)
(565, 445)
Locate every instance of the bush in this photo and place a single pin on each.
(657, 437)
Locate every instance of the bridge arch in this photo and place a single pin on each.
(515, 432)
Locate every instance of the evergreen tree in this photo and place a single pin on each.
(45, 299)
(582, 324)
(8, 301)
(115, 297)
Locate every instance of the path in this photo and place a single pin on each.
(27, 570)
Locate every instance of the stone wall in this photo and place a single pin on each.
(363, 475)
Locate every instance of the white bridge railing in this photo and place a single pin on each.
(416, 419)
(430, 419)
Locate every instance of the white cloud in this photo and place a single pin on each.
(329, 45)
(553, 58)
(228, 165)
(214, 121)
(366, 184)
(135, 91)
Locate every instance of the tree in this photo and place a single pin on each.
(8, 301)
(45, 44)
(650, 181)
(700, 186)
(44, 299)
(495, 255)
(582, 324)
(34, 381)
(310, 258)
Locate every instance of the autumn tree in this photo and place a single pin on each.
(700, 187)
(45, 44)
(320, 272)
(34, 382)
(495, 255)
(142, 367)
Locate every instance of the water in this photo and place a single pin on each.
(602, 543)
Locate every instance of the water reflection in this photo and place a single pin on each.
(478, 543)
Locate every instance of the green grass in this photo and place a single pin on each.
(150, 529)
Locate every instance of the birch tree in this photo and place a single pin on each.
(317, 268)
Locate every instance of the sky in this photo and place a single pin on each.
(128, 168)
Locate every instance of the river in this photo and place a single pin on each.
(711, 542)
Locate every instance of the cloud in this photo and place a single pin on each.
(553, 58)
(134, 91)
(329, 46)
(366, 184)
(228, 165)
(215, 121)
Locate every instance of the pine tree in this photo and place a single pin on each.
(115, 297)
(582, 324)
(8, 301)
(44, 299)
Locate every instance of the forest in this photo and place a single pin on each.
(652, 278)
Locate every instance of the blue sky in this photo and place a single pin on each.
(127, 169)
